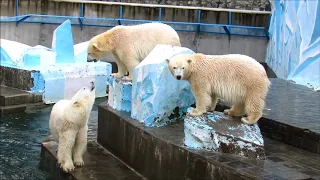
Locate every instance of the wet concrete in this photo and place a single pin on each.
(159, 153)
(14, 100)
(99, 164)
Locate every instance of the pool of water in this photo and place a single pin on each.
(20, 138)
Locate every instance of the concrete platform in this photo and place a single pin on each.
(99, 165)
(159, 153)
(291, 116)
(14, 100)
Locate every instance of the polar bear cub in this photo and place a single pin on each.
(131, 44)
(68, 127)
(236, 78)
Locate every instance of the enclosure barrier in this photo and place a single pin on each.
(198, 27)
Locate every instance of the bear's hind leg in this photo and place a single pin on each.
(213, 102)
(66, 142)
(236, 110)
(254, 107)
(80, 147)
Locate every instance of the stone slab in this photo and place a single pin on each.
(215, 131)
(159, 153)
(99, 165)
(11, 96)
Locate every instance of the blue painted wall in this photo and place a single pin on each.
(294, 46)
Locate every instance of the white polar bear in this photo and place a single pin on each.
(131, 44)
(236, 78)
(68, 126)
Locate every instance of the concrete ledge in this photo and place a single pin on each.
(16, 78)
(159, 153)
(291, 115)
(99, 165)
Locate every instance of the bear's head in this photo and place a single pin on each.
(85, 96)
(98, 47)
(179, 66)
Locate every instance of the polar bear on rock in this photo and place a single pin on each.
(68, 127)
(131, 44)
(236, 78)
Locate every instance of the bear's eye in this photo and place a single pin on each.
(174, 67)
(182, 67)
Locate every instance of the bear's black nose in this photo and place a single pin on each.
(178, 77)
(94, 60)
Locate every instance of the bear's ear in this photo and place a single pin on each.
(167, 60)
(189, 61)
(96, 45)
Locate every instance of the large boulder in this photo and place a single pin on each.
(157, 97)
(218, 132)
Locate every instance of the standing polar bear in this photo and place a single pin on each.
(236, 78)
(68, 126)
(131, 44)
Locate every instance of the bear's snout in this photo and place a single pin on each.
(178, 77)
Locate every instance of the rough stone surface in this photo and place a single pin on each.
(258, 5)
(219, 132)
(119, 96)
(157, 97)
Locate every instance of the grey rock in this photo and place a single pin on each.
(215, 131)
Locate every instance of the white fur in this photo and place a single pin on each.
(131, 44)
(68, 126)
(235, 78)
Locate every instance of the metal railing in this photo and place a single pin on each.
(198, 27)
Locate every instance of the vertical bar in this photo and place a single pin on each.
(82, 10)
(81, 15)
(17, 7)
(230, 18)
(160, 14)
(230, 23)
(119, 21)
(17, 12)
(199, 20)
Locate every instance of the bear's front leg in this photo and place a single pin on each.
(130, 64)
(66, 142)
(80, 146)
(121, 70)
(202, 99)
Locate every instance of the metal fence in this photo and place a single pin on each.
(198, 26)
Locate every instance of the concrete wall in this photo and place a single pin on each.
(33, 34)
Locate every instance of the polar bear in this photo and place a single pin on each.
(236, 78)
(68, 127)
(131, 44)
